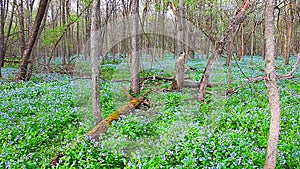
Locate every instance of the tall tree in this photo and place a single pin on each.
(4, 40)
(180, 29)
(273, 94)
(289, 31)
(3, 5)
(31, 40)
(135, 59)
(95, 61)
(22, 26)
(237, 20)
(34, 57)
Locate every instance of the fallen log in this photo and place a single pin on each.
(287, 76)
(195, 84)
(104, 125)
(186, 83)
(154, 77)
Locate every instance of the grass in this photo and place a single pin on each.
(41, 118)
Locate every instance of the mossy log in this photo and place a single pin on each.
(104, 125)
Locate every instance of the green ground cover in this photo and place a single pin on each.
(41, 118)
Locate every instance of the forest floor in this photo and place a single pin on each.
(41, 118)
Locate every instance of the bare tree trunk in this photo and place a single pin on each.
(238, 19)
(162, 32)
(273, 94)
(95, 61)
(22, 29)
(228, 61)
(263, 46)
(187, 47)
(252, 45)
(30, 4)
(2, 46)
(242, 43)
(3, 41)
(31, 40)
(34, 55)
(191, 49)
(179, 71)
(207, 47)
(63, 24)
(134, 67)
(241, 49)
(155, 37)
(69, 34)
(180, 30)
(77, 30)
(289, 33)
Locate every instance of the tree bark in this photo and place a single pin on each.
(135, 59)
(238, 19)
(252, 44)
(31, 40)
(273, 94)
(289, 33)
(207, 48)
(63, 24)
(95, 61)
(180, 29)
(179, 71)
(263, 46)
(191, 48)
(3, 41)
(103, 126)
(22, 26)
(2, 36)
(35, 47)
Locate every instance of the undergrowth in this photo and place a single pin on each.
(41, 118)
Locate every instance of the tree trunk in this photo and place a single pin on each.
(35, 46)
(180, 30)
(191, 48)
(207, 47)
(273, 94)
(77, 30)
(241, 57)
(134, 67)
(31, 40)
(187, 47)
(2, 42)
(103, 126)
(22, 29)
(252, 45)
(63, 24)
(179, 71)
(219, 50)
(289, 33)
(95, 61)
(263, 46)
(162, 31)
